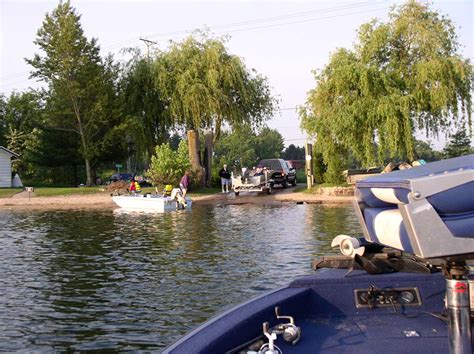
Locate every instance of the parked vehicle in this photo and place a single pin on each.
(127, 177)
(291, 174)
(280, 172)
(120, 177)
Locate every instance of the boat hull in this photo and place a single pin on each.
(148, 203)
(323, 305)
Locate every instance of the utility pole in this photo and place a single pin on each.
(148, 43)
(308, 148)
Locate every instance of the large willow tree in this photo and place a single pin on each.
(402, 76)
(144, 105)
(204, 87)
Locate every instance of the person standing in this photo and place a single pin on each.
(184, 183)
(224, 174)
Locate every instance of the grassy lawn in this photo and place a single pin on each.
(204, 191)
(8, 192)
(56, 191)
(322, 185)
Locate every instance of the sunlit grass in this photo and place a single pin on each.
(204, 191)
(57, 191)
(8, 192)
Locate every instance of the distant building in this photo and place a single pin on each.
(6, 166)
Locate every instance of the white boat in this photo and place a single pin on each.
(149, 202)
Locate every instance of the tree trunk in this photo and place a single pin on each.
(194, 156)
(207, 159)
(89, 181)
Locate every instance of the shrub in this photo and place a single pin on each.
(168, 166)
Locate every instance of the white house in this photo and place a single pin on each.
(6, 166)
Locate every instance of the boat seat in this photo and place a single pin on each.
(426, 210)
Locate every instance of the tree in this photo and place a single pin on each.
(168, 166)
(20, 114)
(82, 94)
(3, 121)
(236, 148)
(293, 152)
(424, 150)
(269, 144)
(402, 76)
(145, 104)
(458, 145)
(204, 87)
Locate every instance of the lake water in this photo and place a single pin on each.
(90, 280)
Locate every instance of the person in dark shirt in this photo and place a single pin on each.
(184, 183)
(224, 174)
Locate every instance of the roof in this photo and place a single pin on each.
(9, 152)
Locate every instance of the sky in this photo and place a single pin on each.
(283, 40)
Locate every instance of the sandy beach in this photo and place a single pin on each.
(104, 201)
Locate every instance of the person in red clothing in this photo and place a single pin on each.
(184, 183)
(132, 188)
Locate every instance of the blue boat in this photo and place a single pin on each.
(401, 288)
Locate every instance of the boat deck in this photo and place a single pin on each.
(324, 306)
(388, 333)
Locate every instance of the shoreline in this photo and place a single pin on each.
(104, 201)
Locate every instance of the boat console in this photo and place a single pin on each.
(428, 211)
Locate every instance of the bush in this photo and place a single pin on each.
(168, 166)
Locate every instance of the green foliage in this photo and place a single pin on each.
(402, 76)
(269, 144)
(236, 149)
(82, 92)
(319, 168)
(293, 152)
(424, 150)
(243, 148)
(19, 114)
(206, 86)
(3, 122)
(145, 104)
(168, 166)
(458, 145)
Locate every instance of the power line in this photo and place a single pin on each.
(256, 21)
(304, 21)
(235, 24)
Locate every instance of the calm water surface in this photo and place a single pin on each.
(90, 280)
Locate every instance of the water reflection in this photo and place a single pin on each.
(82, 280)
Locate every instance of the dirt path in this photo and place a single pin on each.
(104, 201)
